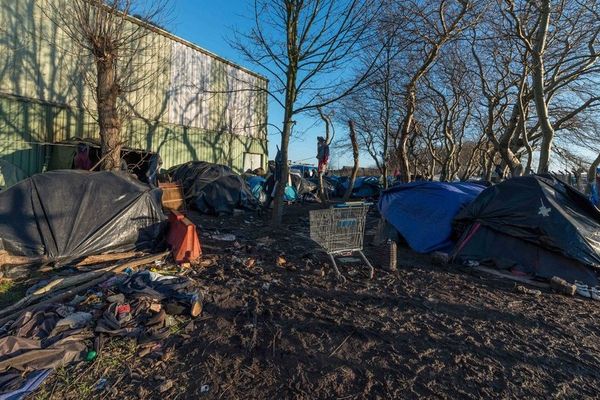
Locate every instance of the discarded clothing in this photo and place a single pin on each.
(17, 387)
(137, 318)
(160, 287)
(33, 342)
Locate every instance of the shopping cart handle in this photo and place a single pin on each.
(352, 204)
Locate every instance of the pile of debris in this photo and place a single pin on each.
(69, 319)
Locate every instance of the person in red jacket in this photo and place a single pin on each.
(322, 154)
(82, 158)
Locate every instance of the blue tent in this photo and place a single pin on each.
(257, 186)
(422, 212)
(364, 186)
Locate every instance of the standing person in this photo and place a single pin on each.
(82, 157)
(275, 170)
(322, 154)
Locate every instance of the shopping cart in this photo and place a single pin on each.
(340, 231)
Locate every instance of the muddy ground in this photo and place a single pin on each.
(278, 324)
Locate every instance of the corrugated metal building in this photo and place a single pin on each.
(197, 107)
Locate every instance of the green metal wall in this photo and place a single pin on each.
(43, 98)
(25, 125)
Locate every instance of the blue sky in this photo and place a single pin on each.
(209, 24)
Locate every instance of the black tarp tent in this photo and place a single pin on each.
(213, 188)
(536, 225)
(68, 214)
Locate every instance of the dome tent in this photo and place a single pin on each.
(536, 225)
(213, 188)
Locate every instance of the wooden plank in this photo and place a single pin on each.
(520, 279)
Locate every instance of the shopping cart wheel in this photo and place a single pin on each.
(339, 275)
(371, 269)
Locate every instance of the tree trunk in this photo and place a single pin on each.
(411, 100)
(328, 139)
(109, 119)
(355, 155)
(539, 90)
(290, 100)
(591, 176)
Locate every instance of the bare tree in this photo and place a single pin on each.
(329, 136)
(535, 66)
(306, 47)
(117, 42)
(430, 26)
(355, 157)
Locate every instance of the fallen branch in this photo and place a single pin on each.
(520, 279)
(341, 344)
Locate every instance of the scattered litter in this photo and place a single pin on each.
(73, 321)
(281, 261)
(226, 237)
(168, 384)
(116, 298)
(155, 307)
(91, 355)
(101, 384)
(562, 286)
(204, 389)
(525, 290)
(31, 382)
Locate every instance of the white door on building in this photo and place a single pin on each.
(252, 161)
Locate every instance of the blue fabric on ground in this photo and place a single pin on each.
(32, 382)
(422, 212)
(290, 194)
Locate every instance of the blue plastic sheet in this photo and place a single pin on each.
(422, 212)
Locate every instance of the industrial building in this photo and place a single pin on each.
(197, 105)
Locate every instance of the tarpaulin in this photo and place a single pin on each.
(303, 186)
(33, 342)
(364, 186)
(542, 211)
(9, 175)
(71, 214)
(257, 187)
(422, 212)
(213, 188)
